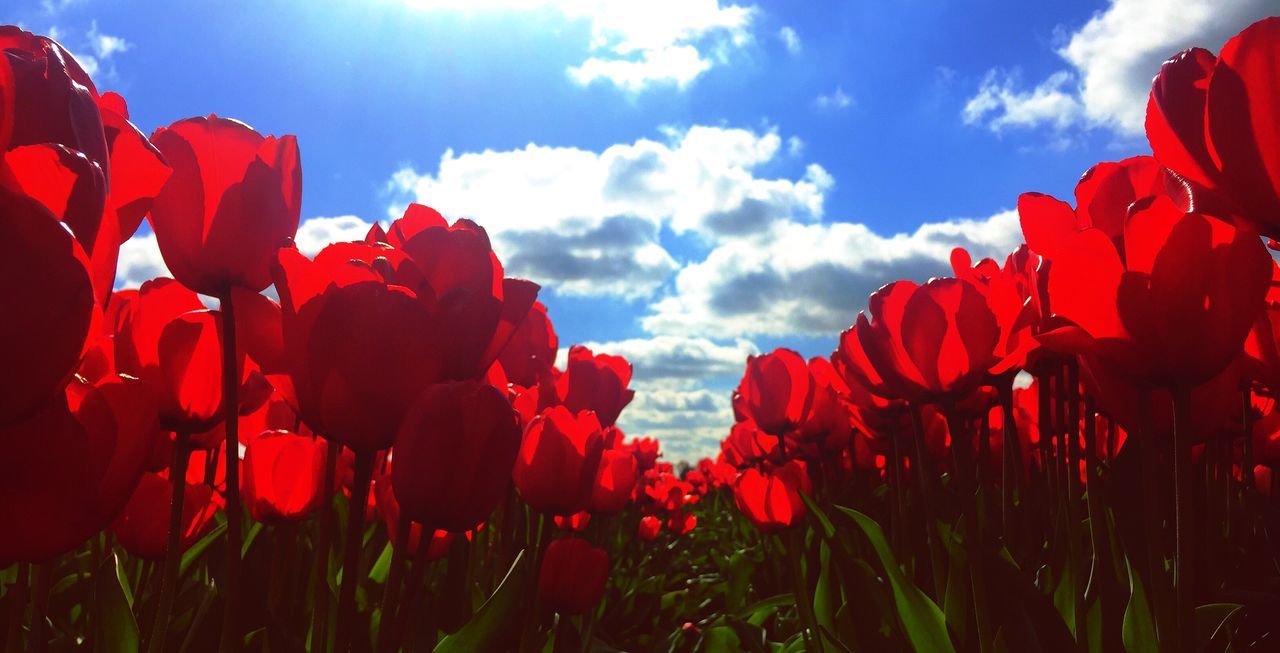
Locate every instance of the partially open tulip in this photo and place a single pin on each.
(559, 457)
(573, 575)
(453, 455)
(70, 468)
(776, 391)
(529, 355)
(771, 500)
(649, 529)
(1214, 121)
(614, 481)
(138, 170)
(1169, 305)
(282, 475)
(233, 200)
(48, 293)
(385, 495)
(420, 321)
(930, 342)
(143, 527)
(596, 382)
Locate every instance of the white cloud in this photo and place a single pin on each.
(104, 45)
(588, 223)
(836, 99)
(1000, 104)
(635, 45)
(139, 261)
(1112, 59)
(790, 39)
(314, 233)
(688, 421)
(813, 279)
(674, 358)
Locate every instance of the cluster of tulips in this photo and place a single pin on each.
(398, 405)
(1072, 450)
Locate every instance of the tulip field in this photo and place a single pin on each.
(374, 449)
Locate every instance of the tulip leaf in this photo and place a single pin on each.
(193, 554)
(378, 573)
(1211, 619)
(721, 639)
(1138, 630)
(497, 619)
(116, 628)
(923, 622)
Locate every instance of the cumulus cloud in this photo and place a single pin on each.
(139, 261)
(675, 359)
(636, 45)
(688, 421)
(315, 233)
(813, 279)
(836, 99)
(790, 40)
(94, 50)
(589, 223)
(1111, 60)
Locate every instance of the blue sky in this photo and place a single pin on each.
(691, 180)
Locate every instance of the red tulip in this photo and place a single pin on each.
(681, 523)
(1214, 121)
(453, 455)
(385, 496)
(143, 528)
(283, 473)
(166, 337)
(650, 528)
(52, 99)
(747, 445)
(44, 279)
(559, 457)
(1171, 304)
(929, 343)
(776, 391)
(1006, 293)
(576, 522)
(771, 500)
(69, 469)
(531, 352)
(573, 575)
(614, 482)
(597, 383)
(138, 171)
(232, 200)
(421, 323)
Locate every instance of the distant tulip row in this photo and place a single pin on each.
(404, 371)
(1090, 427)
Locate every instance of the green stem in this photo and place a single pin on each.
(1184, 584)
(800, 590)
(1152, 511)
(320, 572)
(231, 640)
(391, 594)
(37, 643)
(351, 554)
(173, 549)
(18, 608)
(924, 472)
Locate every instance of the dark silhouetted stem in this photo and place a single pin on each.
(1246, 447)
(37, 642)
(351, 555)
(924, 472)
(1184, 583)
(173, 548)
(231, 640)
(320, 573)
(391, 594)
(1152, 511)
(1100, 578)
(18, 607)
(800, 590)
(417, 577)
(971, 522)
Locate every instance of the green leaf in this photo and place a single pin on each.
(924, 623)
(378, 573)
(721, 639)
(116, 628)
(193, 554)
(828, 529)
(1138, 631)
(498, 618)
(1210, 619)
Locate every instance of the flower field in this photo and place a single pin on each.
(375, 449)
